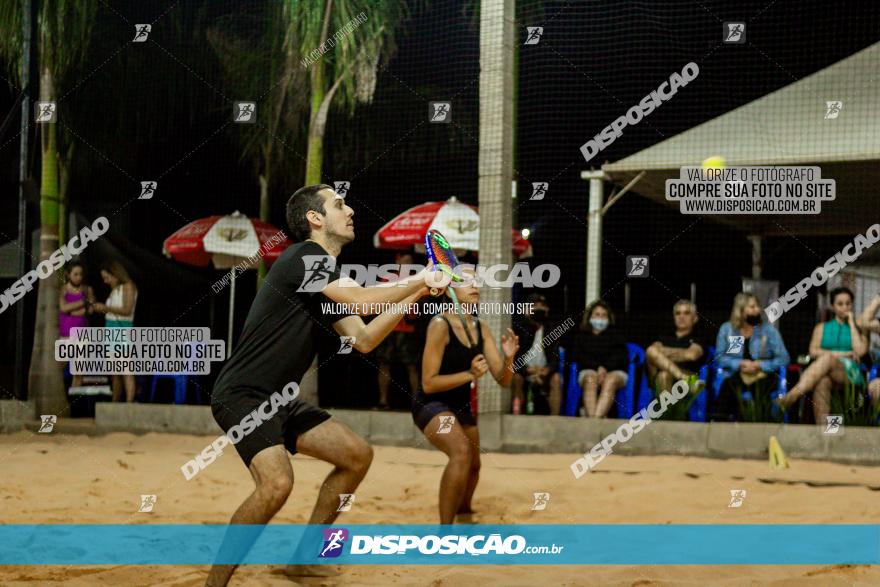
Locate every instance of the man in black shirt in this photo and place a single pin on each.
(680, 355)
(537, 364)
(287, 322)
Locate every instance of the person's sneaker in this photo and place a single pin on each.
(695, 385)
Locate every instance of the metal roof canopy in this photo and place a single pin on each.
(787, 127)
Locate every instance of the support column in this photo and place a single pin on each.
(495, 174)
(756, 256)
(594, 234)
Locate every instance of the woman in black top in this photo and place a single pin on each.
(602, 357)
(442, 407)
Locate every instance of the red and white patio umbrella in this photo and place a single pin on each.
(459, 223)
(233, 242)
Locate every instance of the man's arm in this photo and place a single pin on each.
(368, 336)
(349, 292)
(692, 353)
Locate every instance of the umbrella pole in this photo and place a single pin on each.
(231, 312)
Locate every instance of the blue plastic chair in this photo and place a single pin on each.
(180, 385)
(780, 390)
(697, 411)
(625, 398)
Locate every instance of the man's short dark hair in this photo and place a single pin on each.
(300, 203)
(840, 290)
(536, 298)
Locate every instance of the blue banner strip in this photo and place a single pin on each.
(615, 544)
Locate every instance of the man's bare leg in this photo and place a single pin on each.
(273, 477)
(555, 397)
(413, 372)
(661, 362)
(516, 387)
(332, 442)
(384, 383)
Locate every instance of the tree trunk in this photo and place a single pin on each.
(45, 380)
(264, 216)
(315, 153)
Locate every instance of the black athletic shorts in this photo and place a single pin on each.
(297, 417)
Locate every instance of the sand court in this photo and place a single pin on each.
(79, 479)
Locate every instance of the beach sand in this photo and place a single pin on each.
(67, 479)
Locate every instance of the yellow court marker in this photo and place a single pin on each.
(778, 460)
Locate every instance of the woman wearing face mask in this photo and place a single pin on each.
(753, 365)
(601, 354)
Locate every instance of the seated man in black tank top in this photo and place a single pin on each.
(442, 408)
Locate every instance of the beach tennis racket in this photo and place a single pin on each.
(443, 257)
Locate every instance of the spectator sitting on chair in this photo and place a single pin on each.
(402, 346)
(680, 355)
(537, 363)
(749, 363)
(119, 311)
(602, 358)
(836, 347)
(870, 323)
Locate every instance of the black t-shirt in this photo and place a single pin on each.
(606, 349)
(684, 342)
(285, 327)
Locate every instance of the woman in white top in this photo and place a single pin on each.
(119, 311)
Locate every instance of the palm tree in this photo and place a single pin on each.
(260, 56)
(362, 35)
(64, 28)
